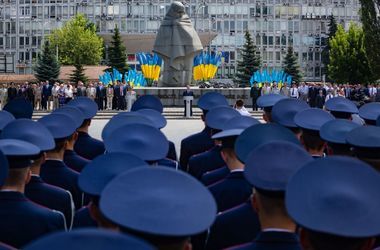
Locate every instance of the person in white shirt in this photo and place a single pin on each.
(265, 89)
(239, 106)
(329, 95)
(303, 92)
(275, 89)
(69, 93)
(130, 97)
(91, 91)
(372, 91)
(3, 95)
(294, 91)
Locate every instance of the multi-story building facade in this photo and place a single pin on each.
(273, 24)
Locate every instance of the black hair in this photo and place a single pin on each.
(340, 149)
(312, 140)
(341, 115)
(85, 123)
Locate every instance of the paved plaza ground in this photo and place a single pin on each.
(175, 131)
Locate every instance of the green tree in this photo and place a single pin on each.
(77, 43)
(326, 51)
(78, 74)
(117, 54)
(47, 66)
(371, 27)
(348, 58)
(291, 66)
(250, 62)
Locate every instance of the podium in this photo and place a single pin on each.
(188, 102)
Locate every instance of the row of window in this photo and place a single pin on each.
(160, 10)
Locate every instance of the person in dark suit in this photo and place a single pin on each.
(233, 227)
(101, 95)
(19, 108)
(254, 94)
(87, 239)
(54, 171)
(12, 92)
(188, 92)
(166, 227)
(310, 137)
(22, 221)
(37, 190)
(269, 175)
(119, 93)
(320, 99)
(334, 133)
(239, 225)
(234, 189)
(152, 109)
(214, 176)
(45, 95)
(90, 216)
(313, 92)
(336, 175)
(71, 158)
(153, 145)
(87, 146)
(201, 141)
(30, 94)
(283, 113)
(212, 159)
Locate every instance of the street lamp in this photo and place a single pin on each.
(201, 6)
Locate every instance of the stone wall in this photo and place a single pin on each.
(173, 96)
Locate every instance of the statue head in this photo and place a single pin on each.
(176, 10)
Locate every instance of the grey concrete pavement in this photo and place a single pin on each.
(175, 130)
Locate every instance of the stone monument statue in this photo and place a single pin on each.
(177, 43)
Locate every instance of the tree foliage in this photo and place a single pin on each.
(47, 66)
(250, 62)
(78, 74)
(291, 66)
(348, 58)
(326, 51)
(77, 42)
(117, 54)
(371, 26)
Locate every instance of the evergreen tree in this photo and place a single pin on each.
(250, 62)
(348, 58)
(326, 51)
(291, 66)
(47, 66)
(117, 55)
(78, 74)
(371, 27)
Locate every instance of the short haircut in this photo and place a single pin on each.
(272, 204)
(312, 140)
(340, 149)
(16, 176)
(59, 145)
(85, 123)
(239, 103)
(324, 241)
(341, 115)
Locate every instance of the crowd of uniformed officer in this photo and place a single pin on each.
(306, 179)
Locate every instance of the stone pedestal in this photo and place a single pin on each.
(173, 97)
